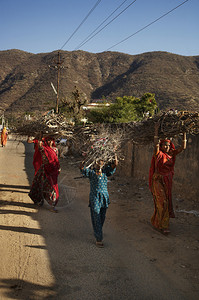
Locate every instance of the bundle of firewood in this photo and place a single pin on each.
(50, 124)
(171, 124)
(103, 141)
(99, 143)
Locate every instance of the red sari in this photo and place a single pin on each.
(37, 158)
(45, 182)
(160, 183)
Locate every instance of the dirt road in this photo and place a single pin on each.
(53, 256)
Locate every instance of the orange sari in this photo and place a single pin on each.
(4, 135)
(160, 183)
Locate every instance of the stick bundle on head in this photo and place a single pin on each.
(101, 144)
(50, 124)
(103, 141)
(171, 124)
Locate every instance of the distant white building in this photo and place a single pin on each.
(27, 117)
(95, 105)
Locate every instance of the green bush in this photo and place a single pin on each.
(125, 109)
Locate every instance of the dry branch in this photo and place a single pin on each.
(49, 124)
(99, 142)
(171, 123)
(103, 141)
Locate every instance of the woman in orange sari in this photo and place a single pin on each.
(4, 135)
(160, 180)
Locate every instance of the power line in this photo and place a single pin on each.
(108, 23)
(92, 9)
(147, 25)
(100, 25)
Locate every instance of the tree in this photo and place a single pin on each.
(73, 106)
(145, 106)
(125, 109)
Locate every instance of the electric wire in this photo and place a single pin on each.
(100, 25)
(92, 9)
(107, 23)
(147, 25)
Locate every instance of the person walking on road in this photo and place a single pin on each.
(99, 197)
(160, 180)
(4, 136)
(45, 182)
(37, 158)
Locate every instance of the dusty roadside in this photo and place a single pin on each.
(175, 254)
(53, 256)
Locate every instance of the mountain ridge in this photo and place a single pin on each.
(25, 78)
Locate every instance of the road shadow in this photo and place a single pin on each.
(21, 229)
(19, 204)
(79, 269)
(12, 186)
(19, 289)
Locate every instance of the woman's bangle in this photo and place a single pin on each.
(184, 140)
(155, 136)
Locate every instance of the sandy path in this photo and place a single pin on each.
(53, 256)
(20, 231)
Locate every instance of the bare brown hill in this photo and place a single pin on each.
(25, 78)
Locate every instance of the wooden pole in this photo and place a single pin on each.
(58, 76)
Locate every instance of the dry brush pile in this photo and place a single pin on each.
(103, 141)
(99, 143)
(171, 124)
(50, 124)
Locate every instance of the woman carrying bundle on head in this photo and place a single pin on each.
(37, 159)
(45, 182)
(99, 197)
(160, 180)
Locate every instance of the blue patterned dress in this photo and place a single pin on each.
(99, 197)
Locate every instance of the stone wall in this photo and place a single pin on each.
(186, 179)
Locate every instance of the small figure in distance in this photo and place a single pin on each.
(4, 137)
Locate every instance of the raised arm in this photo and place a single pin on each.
(29, 140)
(115, 163)
(156, 139)
(86, 172)
(81, 165)
(183, 145)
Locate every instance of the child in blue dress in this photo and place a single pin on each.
(99, 197)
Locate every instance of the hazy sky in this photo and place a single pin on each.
(39, 26)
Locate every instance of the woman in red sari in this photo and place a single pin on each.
(37, 158)
(160, 180)
(45, 182)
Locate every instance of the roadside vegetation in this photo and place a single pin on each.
(124, 109)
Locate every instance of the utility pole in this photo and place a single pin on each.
(58, 66)
(58, 76)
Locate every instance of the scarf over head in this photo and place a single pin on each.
(157, 162)
(53, 166)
